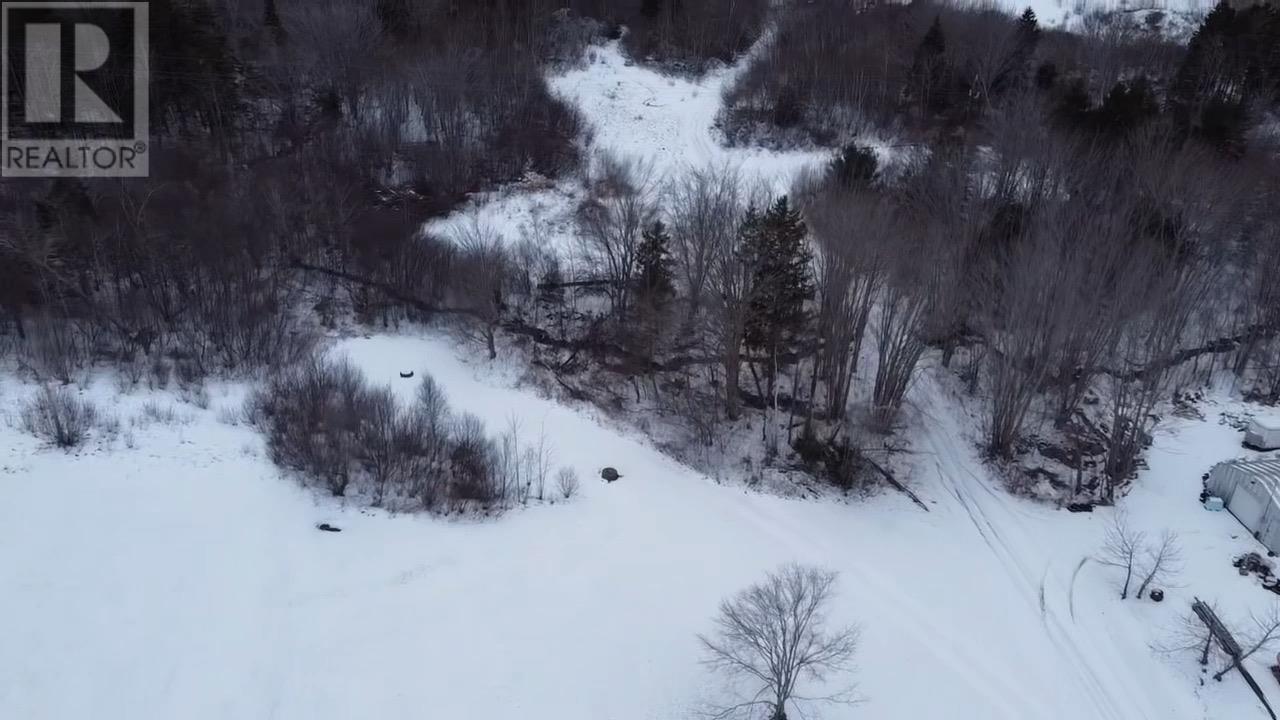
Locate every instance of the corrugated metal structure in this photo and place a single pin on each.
(1263, 434)
(1251, 490)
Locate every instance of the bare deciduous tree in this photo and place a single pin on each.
(771, 637)
(904, 311)
(851, 230)
(732, 282)
(704, 206)
(1262, 633)
(482, 260)
(620, 205)
(1163, 561)
(1192, 634)
(1121, 548)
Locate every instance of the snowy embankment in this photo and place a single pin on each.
(183, 577)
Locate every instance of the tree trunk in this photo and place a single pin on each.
(732, 368)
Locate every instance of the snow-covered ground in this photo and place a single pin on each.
(1065, 13)
(665, 123)
(184, 578)
(172, 572)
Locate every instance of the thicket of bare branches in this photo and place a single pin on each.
(1078, 219)
(322, 420)
(619, 206)
(295, 155)
(57, 416)
(687, 35)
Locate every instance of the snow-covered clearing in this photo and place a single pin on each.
(184, 578)
(1066, 13)
(667, 123)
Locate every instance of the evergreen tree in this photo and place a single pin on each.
(855, 166)
(927, 80)
(1046, 75)
(202, 78)
(653, 262)
(1126, 106)
(1073, 107)
(271, 21)
(783, 281)
(1015, 68)
(1205, 55)
(1028, 24)
(1232, 63)
(396, 18)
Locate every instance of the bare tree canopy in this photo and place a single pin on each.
(1122, 548)
(771, 637)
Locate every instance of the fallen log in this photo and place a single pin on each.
(888, 476)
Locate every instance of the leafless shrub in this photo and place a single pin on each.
(543, 456)
(431, 420)
(196, 394)
(772, 637)
(53, 350)
(130, 372)
(108, 427)
(567, 482)
(154, 412)
(474, 465)
(160, 373)
(380, 442)
(322, 420)
(57, 416)
(311, 415)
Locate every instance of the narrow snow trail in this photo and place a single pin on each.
(1041, 551)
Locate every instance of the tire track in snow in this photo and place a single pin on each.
(1100, 694)
(1015, 700)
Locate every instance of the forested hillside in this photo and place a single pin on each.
(638, 359)
(1081, 221)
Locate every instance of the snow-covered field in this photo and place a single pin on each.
(173, 573)
(184, 578)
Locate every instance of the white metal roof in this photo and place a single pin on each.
(1265, 470)
(1267, 423)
